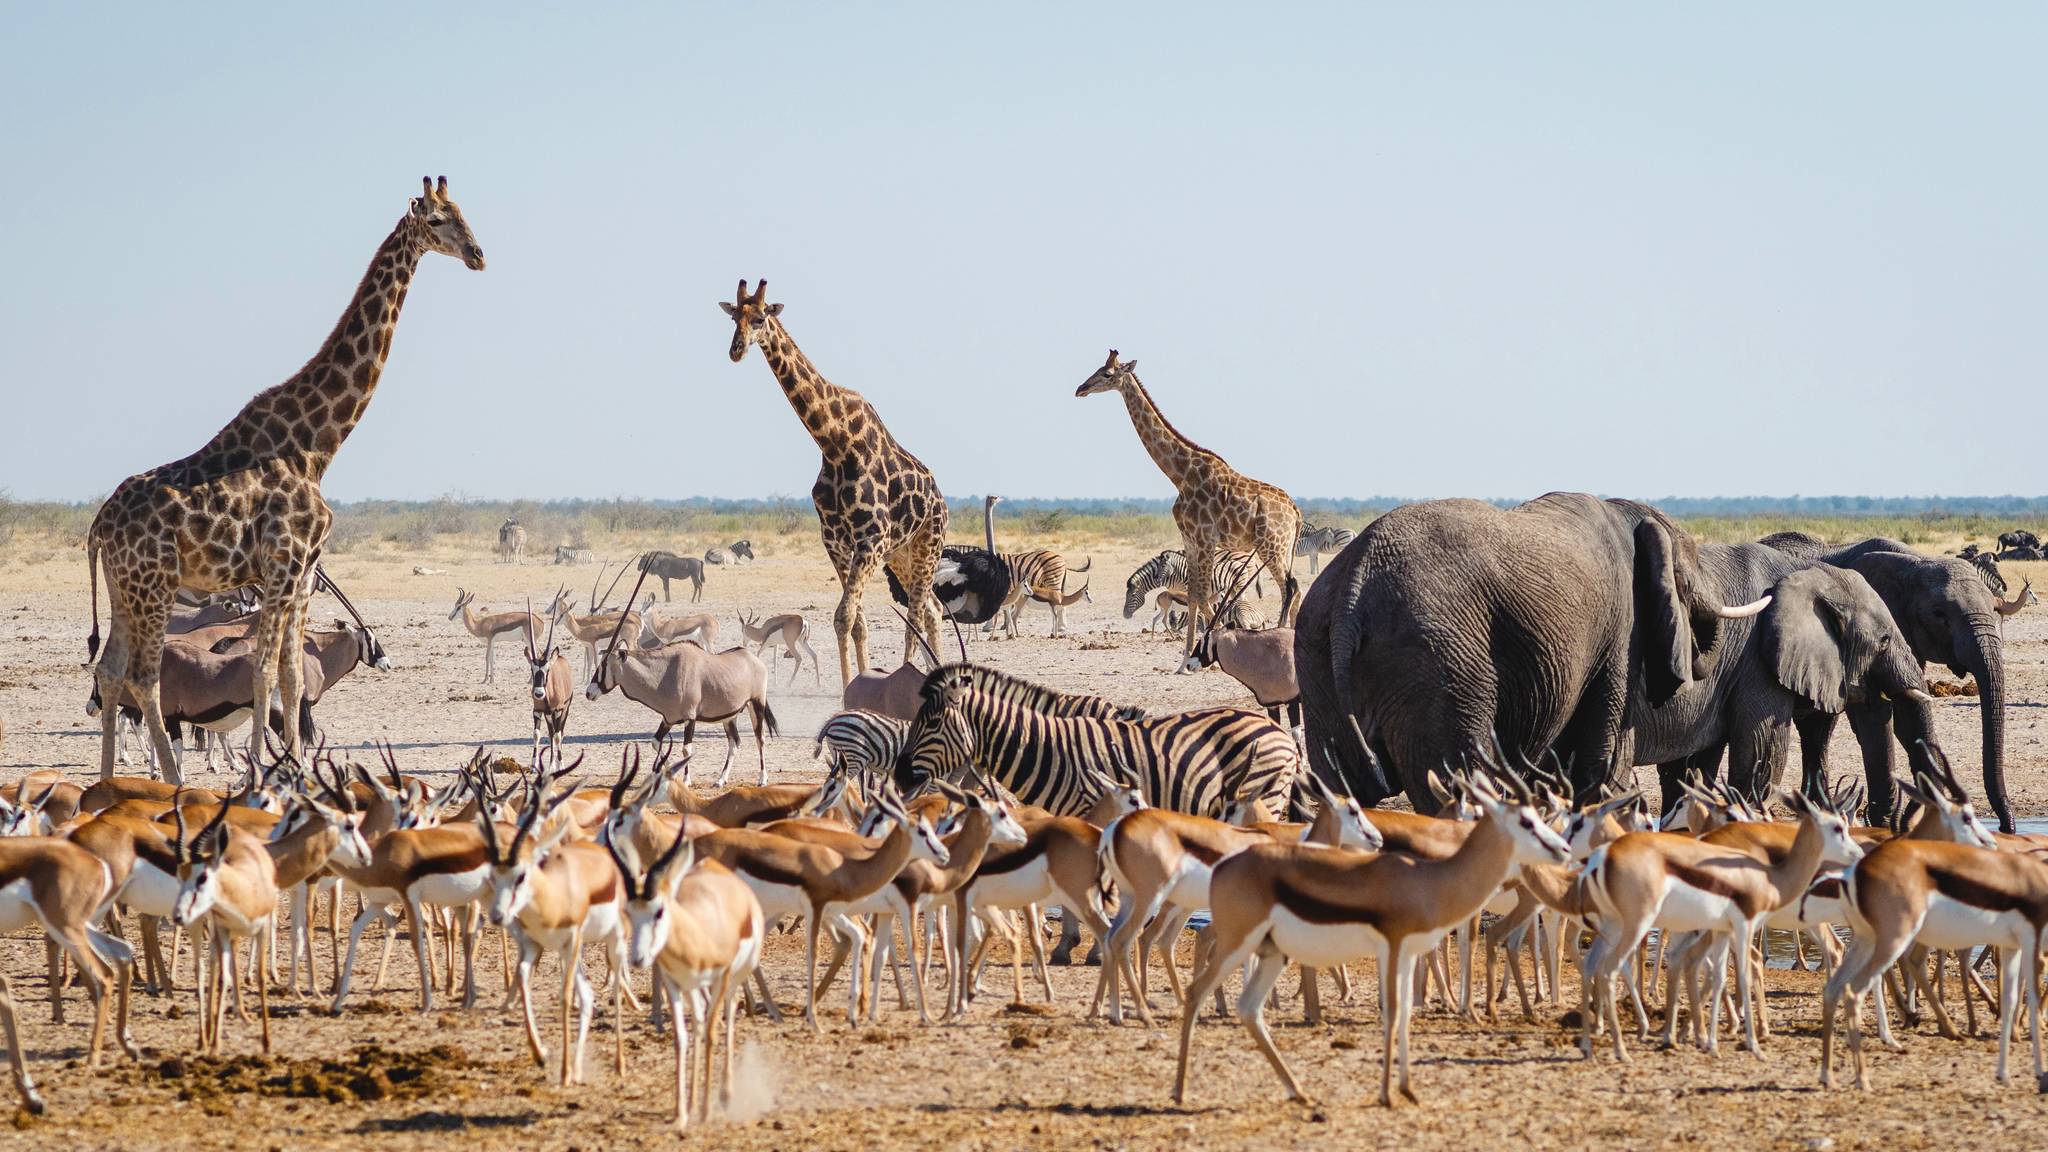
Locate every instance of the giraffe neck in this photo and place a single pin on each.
(1170, 450)
(807, 390)
(306, 418)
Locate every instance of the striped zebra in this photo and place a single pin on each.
(1041, 575)
(1316, 541)
(1169, 570)
(861, 742)
(1009, 731)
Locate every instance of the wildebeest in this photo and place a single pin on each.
(668, 566)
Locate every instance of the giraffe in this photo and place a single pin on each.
(1219, 508)
(877, 504)
(246, 508)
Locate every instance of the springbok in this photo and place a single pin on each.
(487, 627)
(789, 630)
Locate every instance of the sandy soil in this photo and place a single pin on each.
(1004, 1079)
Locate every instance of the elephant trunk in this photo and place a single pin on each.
(1983, 651)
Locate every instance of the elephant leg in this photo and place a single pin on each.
(1700, 769)
(1872, 724)
(1592, 742)
(1759, 743)
(1815, 728)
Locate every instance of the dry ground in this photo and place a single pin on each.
(1031, 1079)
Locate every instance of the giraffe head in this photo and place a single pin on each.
(749, 317)
(440, 226)
(1108, 378)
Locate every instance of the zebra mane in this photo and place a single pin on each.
(1024, 693)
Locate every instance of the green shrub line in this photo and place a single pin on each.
(419, 525)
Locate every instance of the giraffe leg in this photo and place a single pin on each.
(112, 677)
(848, 625)
(291, 670)
(1278, 556)
(1201, 597)
(145, 667)
(270, 625)
(916, 564)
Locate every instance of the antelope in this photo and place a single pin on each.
(2026, 596)
(62, 888)
(1906, 893)
(897, 695)
(554, 689)
(310, 837)
(421, 868)
(820, 884)
(1262, 661)
(227, 881)
(791, 631)
(1322, 906)
(981, 825)
(487, 627)
(699, 626)
(683, 684)
(209, 688)
(1162, 861)
(1059, 863)
(1679, 884)
(558, 895)
(700, 928)
(600, 624)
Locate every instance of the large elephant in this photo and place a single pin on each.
(1449, 624)
(1826, 642)
(1951, 617)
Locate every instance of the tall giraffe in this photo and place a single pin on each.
(877, 504)
(246, 508)
(1219, 508)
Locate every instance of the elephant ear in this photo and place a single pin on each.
(1663, 619)
(1802, 633)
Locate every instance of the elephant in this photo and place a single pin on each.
(1826, 642)
(1450, 625)
(1949, 616)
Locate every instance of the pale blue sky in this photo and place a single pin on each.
(1427, 249)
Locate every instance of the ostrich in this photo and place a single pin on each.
(971, 583)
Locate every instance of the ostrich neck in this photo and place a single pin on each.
(988, 524)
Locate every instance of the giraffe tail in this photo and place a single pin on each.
(92, 565)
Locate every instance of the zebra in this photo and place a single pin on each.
(862, 742)
(1199, 762)
(1316, 541)
(1041, 575)
(1169, 569)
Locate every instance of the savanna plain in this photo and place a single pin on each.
(1035, 1075)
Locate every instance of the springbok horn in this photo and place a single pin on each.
(1743, 611)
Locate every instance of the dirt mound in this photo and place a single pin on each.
(368, 1072)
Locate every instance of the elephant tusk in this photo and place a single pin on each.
(1919, 696)
(1745, 611)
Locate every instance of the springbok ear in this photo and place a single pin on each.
(730, 308)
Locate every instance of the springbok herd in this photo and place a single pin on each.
(1505, 670)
